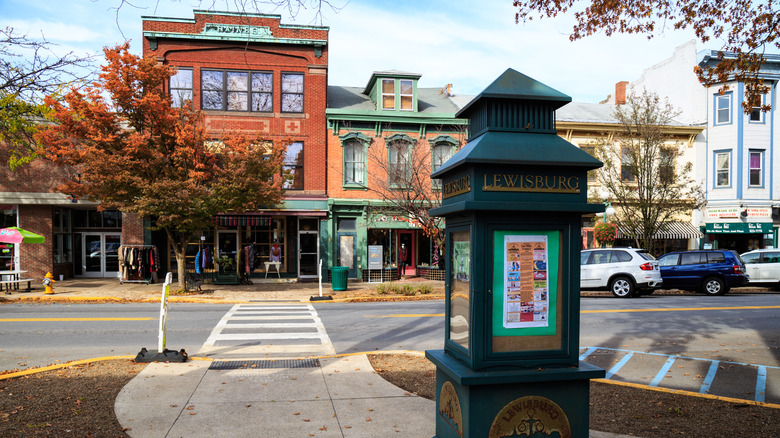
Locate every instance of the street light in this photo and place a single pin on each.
(608, 210)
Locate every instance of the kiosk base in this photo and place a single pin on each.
(166, 355)
(518, 402)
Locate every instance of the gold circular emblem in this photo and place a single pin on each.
(531, 416)
(449, 407)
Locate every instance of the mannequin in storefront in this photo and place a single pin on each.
(402, 260)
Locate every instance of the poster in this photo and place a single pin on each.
(526, 294)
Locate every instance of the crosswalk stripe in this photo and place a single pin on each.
(281, 325)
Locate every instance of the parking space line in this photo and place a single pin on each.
(705, 387)
(761, 384)
(588, 352)
(662, 372)
(680, 309)
(619, 365)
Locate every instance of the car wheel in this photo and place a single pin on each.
(714, 286)
(622, 287)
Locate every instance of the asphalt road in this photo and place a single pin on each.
(724, 345)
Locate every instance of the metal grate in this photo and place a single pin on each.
(263, 364)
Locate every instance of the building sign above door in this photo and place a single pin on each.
(738, 227)
(236, 29)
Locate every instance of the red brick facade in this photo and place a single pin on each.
(288, 49)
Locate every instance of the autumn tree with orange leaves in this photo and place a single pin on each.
(137, 154)
(748, 28)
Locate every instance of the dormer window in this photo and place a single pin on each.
(407, 95)
(388, 94)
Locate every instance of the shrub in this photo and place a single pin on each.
(408, 290)
(381, 289)
(394, 289)
(425, 289)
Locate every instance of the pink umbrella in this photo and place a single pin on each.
(18, 235)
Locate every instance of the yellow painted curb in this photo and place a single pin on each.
(27, 372)
(690, 393)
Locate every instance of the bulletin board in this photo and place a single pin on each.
(526, 285)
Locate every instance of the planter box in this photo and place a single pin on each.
(430, 273)
(226, 278)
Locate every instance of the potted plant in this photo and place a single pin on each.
(605, 233)
(225, 264)
(227, 273)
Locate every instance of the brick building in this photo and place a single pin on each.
(377, 136)
(250, 72)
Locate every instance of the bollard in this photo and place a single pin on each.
(48, 283)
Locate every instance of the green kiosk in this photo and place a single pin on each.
(513, 198)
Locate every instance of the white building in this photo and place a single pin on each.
(736, 160)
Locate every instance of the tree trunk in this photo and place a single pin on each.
(180, 249)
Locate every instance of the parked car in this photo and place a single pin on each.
(626, 272)
(762, 266)
(712, 272)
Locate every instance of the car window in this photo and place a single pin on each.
(584, 256)
(691, 258)
(716, 257)
(600, 257)
(645, 255)
(771, 257)
(749, 259)
(620, 256)
(669, 260)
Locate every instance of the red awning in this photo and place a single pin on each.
(232, 220)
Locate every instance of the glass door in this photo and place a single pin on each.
(407, 254)
(308, 247)
(100, 254)
(227, 246)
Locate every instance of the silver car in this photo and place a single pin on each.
(763, 266)
(626, 272)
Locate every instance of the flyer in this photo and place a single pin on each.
(525, 281)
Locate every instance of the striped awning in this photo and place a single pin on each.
(246, 219)
(670, 230)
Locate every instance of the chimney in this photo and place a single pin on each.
(447, 90)
(620, 92)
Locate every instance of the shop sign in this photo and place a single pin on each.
(734, 212)
(374, 256)
(738, 227)
(396, 220)
(530, 183)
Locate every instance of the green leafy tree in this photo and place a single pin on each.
(29, 70)
(747, 28)
(137, 154)
(642, 172)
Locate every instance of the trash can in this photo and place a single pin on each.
(338, 277)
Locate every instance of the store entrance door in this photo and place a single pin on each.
(227, 245)
(100, 254)
(308, 248)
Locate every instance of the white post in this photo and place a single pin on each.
(319, 274)
(164, 312)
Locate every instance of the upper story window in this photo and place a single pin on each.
(667, 163)
(627, 165)
(354, 162)
(263, 92)
(399, 148)
(292, 92)
(407, 95)
(722, 108)
(756, 165)
(722, 169)
(181, 87)
(388, 94)
(591, 150)
(756, 115)
(231, 91)
(293, 166)
(442, 148)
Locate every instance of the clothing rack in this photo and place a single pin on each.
(138, 263)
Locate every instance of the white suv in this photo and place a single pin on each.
(762, 266)
(626, 272)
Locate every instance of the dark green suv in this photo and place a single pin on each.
(712, 272)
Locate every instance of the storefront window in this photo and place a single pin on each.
(269, 243)
(7, 219)
(96, 219)
(62, 248)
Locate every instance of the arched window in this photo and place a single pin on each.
(399, 148)
(354, 145)
(442, 148)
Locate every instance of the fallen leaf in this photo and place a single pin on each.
(368, 418)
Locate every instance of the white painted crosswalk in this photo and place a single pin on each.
(262, 331)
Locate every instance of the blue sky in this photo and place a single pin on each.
(460, 42)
